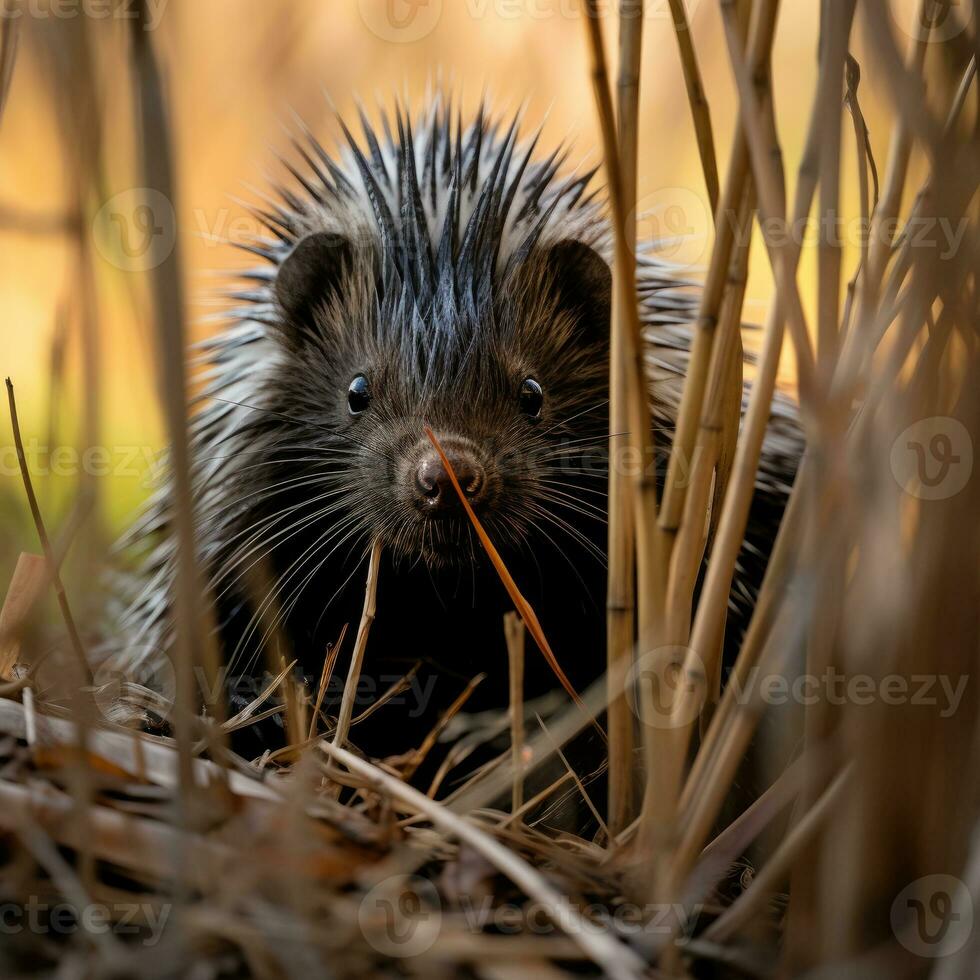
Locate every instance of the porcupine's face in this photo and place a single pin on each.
(513, 384)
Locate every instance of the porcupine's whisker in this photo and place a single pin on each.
(343, 585)
(247, 535)
(606, 436)
(538, 529)
(285, 607)
(582, 472)
(352, 528)
(584, 441)
(560, 488)
(286, 442)
(324, 479)
(290, 418)
(575, 488)
(329, 454)
(579, 536)
(232, 573)
(242, 550)
(508, 533)
(584, 507)
(268, 544)
(572, 532)
(252, 531)
(572, 418)
(283, 580)
(240, 436)
(296, 482)
(340, 588)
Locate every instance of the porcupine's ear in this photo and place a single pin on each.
(582, 281)
(311, 273)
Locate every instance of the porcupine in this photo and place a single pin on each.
(442, 275)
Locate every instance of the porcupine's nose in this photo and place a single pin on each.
(435, 488)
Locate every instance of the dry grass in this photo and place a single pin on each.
(318, 860)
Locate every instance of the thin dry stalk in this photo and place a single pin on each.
(885, 215)
(620, 595)
(523, 607)
(537, 799)
(565, 726)
(865, 162)
(710, 622)
(837, 13)
(360, 646)
(143, 756)
(651, 556)
(418, 757)
(670, 743)
(614, 958)
(892, 301)
(724, 851)
(834, 51)
(650, 582)
(81, 661)
(514, 632)
(909, 330)
(771, 200)
(326, 674)
(579, 785)
(692, 397)
(700, 110)
(136, 844)
(779, 571)
(56, 365)
(717, 434)
(733, 724)
(156, 160)
(707, 632)
(778, 867)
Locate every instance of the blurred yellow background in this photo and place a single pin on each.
(236, 69)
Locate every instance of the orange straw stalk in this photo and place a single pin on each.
(523, 607)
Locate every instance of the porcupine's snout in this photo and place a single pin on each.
(434, 490)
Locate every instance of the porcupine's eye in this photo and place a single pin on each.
(358, 395)
(531, 398)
